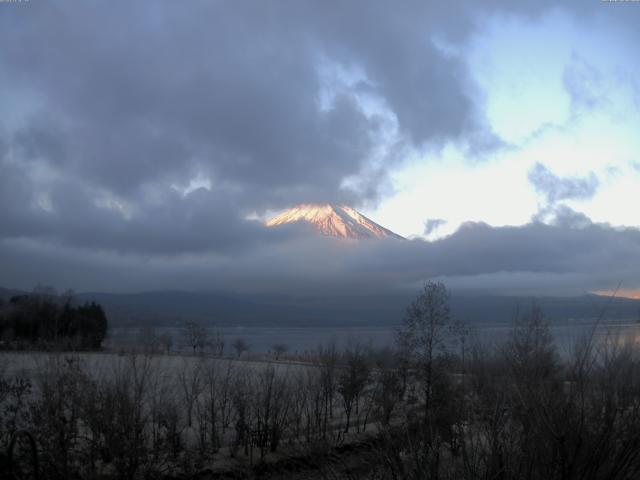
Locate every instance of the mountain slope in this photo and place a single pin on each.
(334, 221)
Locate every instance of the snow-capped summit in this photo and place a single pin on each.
(334, 221)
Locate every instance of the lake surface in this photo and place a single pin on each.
(306, 339)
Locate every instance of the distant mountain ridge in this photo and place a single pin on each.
(382, 309)
(334, 221)
(173, 308)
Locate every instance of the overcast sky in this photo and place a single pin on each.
(142, 143)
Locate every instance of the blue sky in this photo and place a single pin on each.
(557, 92)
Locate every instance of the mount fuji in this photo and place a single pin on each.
(334, 221)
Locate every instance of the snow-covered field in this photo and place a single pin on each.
(31, 364)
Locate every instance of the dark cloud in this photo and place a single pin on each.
(556, 188)
(564, 216)
(565, 257)
(570, 248)
(66, 211)
(127, 100)
(433, 224)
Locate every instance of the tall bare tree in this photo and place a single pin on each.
(422, 335)
(190, 381)
(195, 336)
(240, 345)
(352, 380)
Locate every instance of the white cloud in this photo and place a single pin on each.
(561, 92)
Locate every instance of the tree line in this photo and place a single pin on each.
(43, 319)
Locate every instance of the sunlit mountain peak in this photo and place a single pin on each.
(334, 221)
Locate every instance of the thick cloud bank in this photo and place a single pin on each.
(561, 258)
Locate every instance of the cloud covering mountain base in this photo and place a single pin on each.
(564, 257)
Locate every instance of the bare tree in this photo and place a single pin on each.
(195, 336)
(422, 335)
(242, 407)
(14, 393)
(328, 365)
(148, 340)
(56, 414)
(240, 345)
(270, 409)
(218, 343)
(389, 386)
(299, 399)
(166, 341)
(460, 332)
(313, 404)
(215, 406)
(279, 349)
(190, 380)
(352, 380)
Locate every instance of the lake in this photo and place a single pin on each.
(306, 339)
